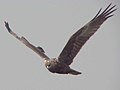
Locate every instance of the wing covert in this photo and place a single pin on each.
(78, 39)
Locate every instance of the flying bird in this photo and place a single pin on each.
(61, 64)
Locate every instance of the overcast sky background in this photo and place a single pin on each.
(49, 24)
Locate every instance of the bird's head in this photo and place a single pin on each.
(47, 64)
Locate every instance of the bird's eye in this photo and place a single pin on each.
(48, 66)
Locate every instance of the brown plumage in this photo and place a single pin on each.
(77, 40)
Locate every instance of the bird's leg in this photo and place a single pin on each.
(26, 42)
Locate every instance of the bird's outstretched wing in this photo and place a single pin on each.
(78, 39)
(27, 43)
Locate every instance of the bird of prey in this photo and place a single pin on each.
(61, 64)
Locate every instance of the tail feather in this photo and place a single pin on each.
(73, 72)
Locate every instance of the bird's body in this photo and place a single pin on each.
(54, 66)
(61, 64)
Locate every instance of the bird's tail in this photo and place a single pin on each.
(73, 72)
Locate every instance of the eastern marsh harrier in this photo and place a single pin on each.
(77, 40)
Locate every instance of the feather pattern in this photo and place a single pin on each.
(78, 39)
(22, 39)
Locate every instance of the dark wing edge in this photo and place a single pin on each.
(79, 38)
(27, 43)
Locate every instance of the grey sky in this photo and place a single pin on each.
(50, 23)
